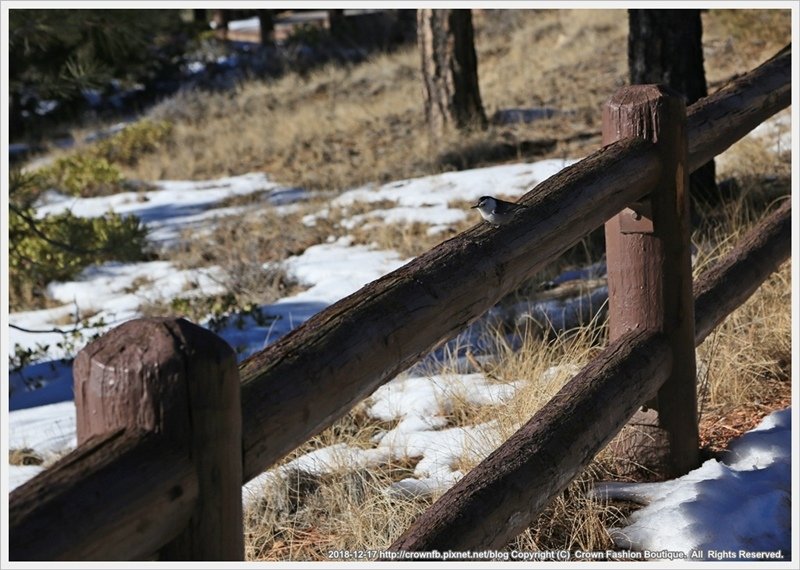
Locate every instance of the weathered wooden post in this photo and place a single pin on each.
(180, 381)
(650, 277)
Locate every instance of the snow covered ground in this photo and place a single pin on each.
(738, 509)
(113, 292)
(751, 489)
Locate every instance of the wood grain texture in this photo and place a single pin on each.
(306, 380)
(724, 287)
(650, 273)
(132, 377)
(716, 122)
(181, 382)
(519, 479)
(117, 497)
(302, 383)
(500, 497)
(120, 496)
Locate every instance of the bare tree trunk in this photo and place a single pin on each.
(336, 23)
(449, 70)
(665, 46)
(266, 23)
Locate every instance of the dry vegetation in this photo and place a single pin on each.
(24, 456)
(339, 127)
(246, 251)
(746, 370)
(734, 41)
(301, 516)
(745, 375)
(744, 365)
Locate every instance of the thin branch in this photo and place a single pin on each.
(75, 329)
(42, 331)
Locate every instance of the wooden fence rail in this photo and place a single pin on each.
(176, 386)
(305, 381)
(716, 122)
(730, 282)
(118, 497)
(502, 495)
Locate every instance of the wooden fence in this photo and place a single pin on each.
(167, 433)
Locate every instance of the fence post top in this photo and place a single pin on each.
(161, 333)
(637, 94)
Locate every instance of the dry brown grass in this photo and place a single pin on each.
(408, 239)
(303, 518)
(341, 127)
(747, 358)
(247, 250)
(354, 220)
(260, 236)
(575, 520)
(24, 456)
(745, 363)
(744, 366)
(338, 127)
(333, 129)
(736, 40)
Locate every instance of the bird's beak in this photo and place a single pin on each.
(475, 206)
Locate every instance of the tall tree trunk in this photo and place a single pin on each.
(336, 23)
(449, 70)
(266, 24)
(665, 46)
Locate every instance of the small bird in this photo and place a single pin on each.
(495, 211)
